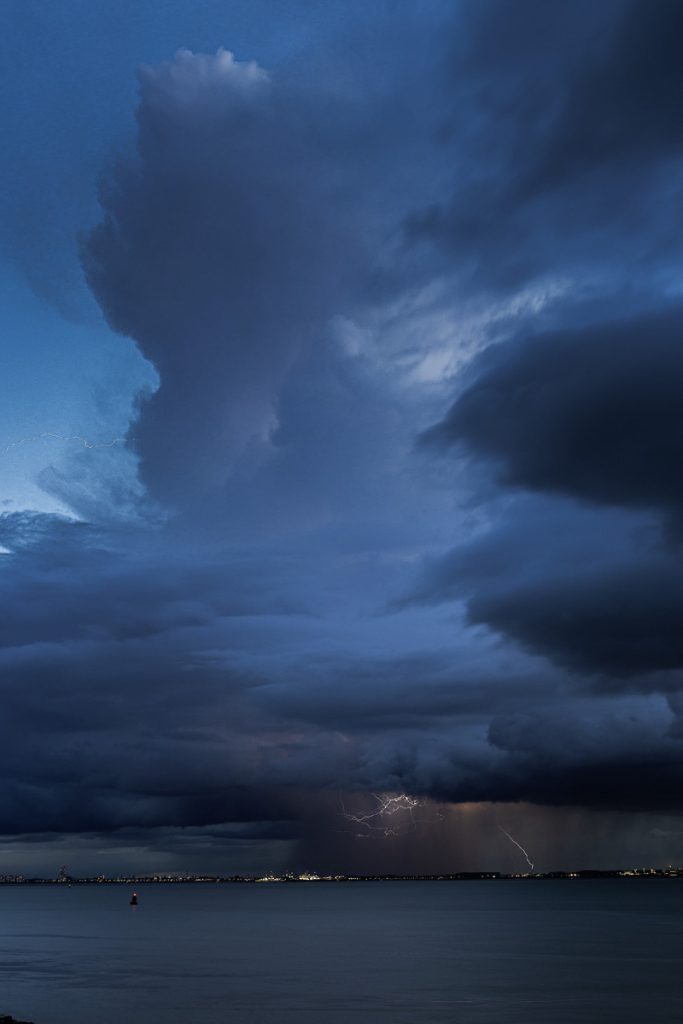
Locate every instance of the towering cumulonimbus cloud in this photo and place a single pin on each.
(223, 250)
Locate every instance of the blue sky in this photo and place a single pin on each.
(340, 436)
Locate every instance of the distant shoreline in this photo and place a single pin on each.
(462, 876)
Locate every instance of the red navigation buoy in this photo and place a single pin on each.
(134, 900)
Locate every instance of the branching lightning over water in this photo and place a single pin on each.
(67, 438)
(518, 845)
(393, 814)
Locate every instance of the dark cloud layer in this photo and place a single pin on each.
(191, 721)
(627, 622)
(593, 413)
(566, 141)
(623, 102)
(571, 168)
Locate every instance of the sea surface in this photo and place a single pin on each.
(509, 952)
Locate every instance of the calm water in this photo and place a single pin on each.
(402, 952)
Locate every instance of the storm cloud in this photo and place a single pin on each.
(392, 328)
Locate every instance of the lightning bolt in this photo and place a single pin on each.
(518, 845)
(385, 817)
(83, 441)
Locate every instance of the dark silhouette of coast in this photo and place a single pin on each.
(311, 877)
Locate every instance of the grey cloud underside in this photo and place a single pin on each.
(193, 722)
